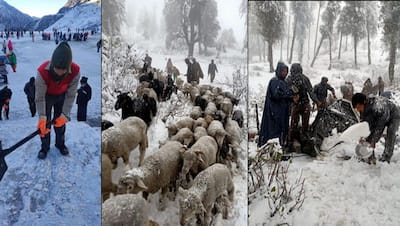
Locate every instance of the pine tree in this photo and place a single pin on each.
(328, 20)
(113, 16)
(390, 17)
(270, 17)
(371, 25)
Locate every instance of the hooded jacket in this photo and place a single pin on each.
(275, 119)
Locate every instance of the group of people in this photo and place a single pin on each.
(54, 90)
(288, 97)
(377, 89)
(10, 58)
(194, 71)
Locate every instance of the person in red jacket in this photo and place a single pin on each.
(55, 89)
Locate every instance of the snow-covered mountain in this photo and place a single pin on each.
(11, 17)
(82, 14)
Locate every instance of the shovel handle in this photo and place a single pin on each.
(21, 142)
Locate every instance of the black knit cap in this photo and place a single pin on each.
(62, 56)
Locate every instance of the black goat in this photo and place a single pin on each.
(238, 117)
(201, 102)
(143, 107)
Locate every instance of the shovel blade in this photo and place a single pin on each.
(3, 167)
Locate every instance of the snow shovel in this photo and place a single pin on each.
(5, 152)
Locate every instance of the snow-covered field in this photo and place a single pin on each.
(58, 190)
(228, 65)
(337, 192)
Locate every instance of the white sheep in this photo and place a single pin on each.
(158, 171)
(121, 139)
(194, 92)
(184, 136)
(196, 112)
(202, 154)
(210, 109)
(216, 130)
(199, 132)
(227, 106)
(127, 209)
(200, 122)
(197, 202)
(185, 122)
(107, 186)
(234, 137)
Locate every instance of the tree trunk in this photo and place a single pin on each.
(264, 57)
(293, 38)
(280, 58)
(369, 44)
(340, 44)
(309, 39)
(270, 58)
(355, 50)
(316, 53)
(330, 53)
(200, 52)
(392, 60)
(300, 53)
(288, 36)
(191, 48)
(259, 48)
(345, 47)
(316, 31)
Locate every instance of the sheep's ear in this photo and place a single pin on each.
(140, 184)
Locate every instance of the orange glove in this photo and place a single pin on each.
(60, 121)
(7, 101)
(42, 127)
(5, 107)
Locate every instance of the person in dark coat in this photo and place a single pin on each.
(379, 112)
(5, 97)
(368, 88)
(197, 71)
(189, 72)
(84, 95)
(301, 107)
(321, 91)
(275, 119)
(347, 90)
(29, 90)
(212, 68)
(98, 45)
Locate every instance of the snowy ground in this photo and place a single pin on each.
(337, 192)
(228, 64)
(58, 190)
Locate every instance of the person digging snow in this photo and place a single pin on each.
(55, 89)
(379, 112)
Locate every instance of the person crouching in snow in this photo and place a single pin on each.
(5, 97)
(13, 60)
(379, 112)
(55, 89)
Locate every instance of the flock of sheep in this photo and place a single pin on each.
(195, 163)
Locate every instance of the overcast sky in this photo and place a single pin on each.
(228, 14)
(37, 8)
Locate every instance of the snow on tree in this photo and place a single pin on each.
(302, 19)
(113, 16)
(209, 25)
(270, 17)
(184, 20)
(371, 23)
(328, 20)
(390, 17)
(355, 16)
(227, 38)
